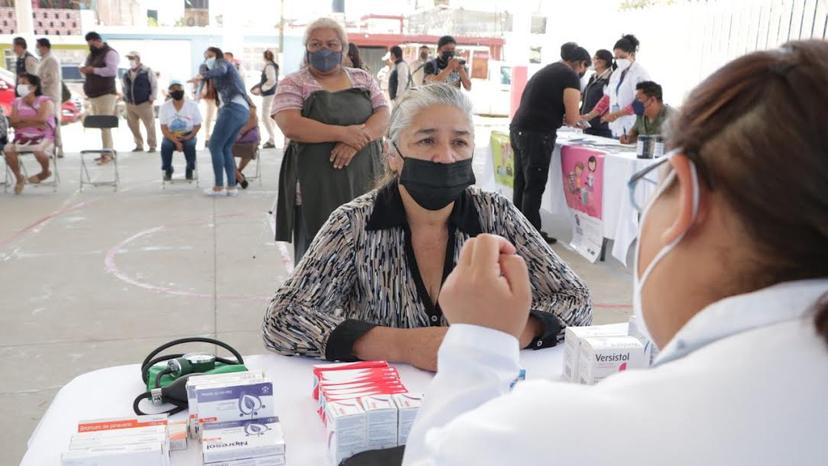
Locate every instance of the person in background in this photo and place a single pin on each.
(206, 93)
(384, 73)
(447, 68)
(267, 89)
(140, 89)
(352, 58)
(621, 87)
(549, 100)
(418, 75)
(100, 70)
(334, 117)
(650, 110)
(51, 81)
(33, 119)
(393, 247)
(25, 62)
(594, 92)
(230, 58)
(232, 115)
(398, 79)
(730, 281)
(180, 123)
(246, 147)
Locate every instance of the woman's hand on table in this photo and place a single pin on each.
(420, 349)
(356, 136)
(489, 287)
(341, 155)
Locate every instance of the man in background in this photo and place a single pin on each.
(398, 79)
(650, 111)
(100, 70)
(26, 63)
(418, 66)
(447, 68)
(140, 89)
(51, 80)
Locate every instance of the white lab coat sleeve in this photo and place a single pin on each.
(476, 364)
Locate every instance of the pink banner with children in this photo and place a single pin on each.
(583, 178)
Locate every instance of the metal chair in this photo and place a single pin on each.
(53, 182)
(258, 175)
(165, 182)
(99, 122)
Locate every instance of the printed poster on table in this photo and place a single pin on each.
(503, 161)
(583, 178)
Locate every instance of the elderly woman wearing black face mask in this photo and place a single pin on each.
(334, 117)
(368, 286)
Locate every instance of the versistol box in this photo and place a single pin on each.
(244, 400)
(408, 404)
(146, 454)
(239, 440)
(381, 421)
(573, 338)
(603, 356)
(346, 430)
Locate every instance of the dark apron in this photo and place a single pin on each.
(323, 188)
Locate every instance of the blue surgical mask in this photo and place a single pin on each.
(324, 60)
(638, 107)
(210, 62)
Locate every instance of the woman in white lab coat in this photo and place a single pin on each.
(731, 281)
(621, 87)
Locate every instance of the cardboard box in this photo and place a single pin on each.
(263, 461)
(208, 380)
(150, 454)
(178, 433)
(604, 356)
(408, 404)
(238, 440)
(381, 421)
(346, 430)
(573, 338)
(320, 369)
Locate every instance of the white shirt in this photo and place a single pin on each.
(623, 95)
(179, 122)
(744, 382)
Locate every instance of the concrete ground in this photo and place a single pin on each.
(100, 278)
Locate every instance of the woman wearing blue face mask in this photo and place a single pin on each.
(731, 281)
(334, 117)
(232, 115)
(368, 286)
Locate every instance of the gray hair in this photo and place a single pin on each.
(418, 98)
(327, 23)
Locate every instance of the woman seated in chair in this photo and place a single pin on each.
(33, 119)
(246, 146)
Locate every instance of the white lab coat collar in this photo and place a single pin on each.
(736, 314)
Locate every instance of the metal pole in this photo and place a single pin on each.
(25, 20)
(281, 26)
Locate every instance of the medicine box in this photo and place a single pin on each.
(238, 440)
(381, 421)
(408, 404)
(148, 454)
(604, 356)
(242, 400)
(573, 338)
(211, 380)
(346, 430)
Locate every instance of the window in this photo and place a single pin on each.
(535, 54)
(538, 25)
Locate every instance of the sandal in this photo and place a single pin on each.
(105, 159)
(18, 187)
(36, 179)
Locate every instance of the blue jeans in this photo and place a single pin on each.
(231, 118)
(167, 149)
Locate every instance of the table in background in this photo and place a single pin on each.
(109, 392)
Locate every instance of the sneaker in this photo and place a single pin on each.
(138, 149)
(212, 193)
(189, 175)
(232, 192)
(269, 145)
(151, 150)
(547, 238)
(168, 175)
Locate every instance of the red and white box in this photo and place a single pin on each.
(408, 404)
(381, 421)
(346, 430)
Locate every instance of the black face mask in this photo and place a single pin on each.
(177, 95)
(435, 185)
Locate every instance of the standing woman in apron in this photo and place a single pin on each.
(622, 84)
(334, 117)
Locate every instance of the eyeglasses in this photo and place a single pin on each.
(643, 185)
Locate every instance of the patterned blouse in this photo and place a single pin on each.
(360, 272)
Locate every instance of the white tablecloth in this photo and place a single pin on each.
(109, 393)
(620, 219)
